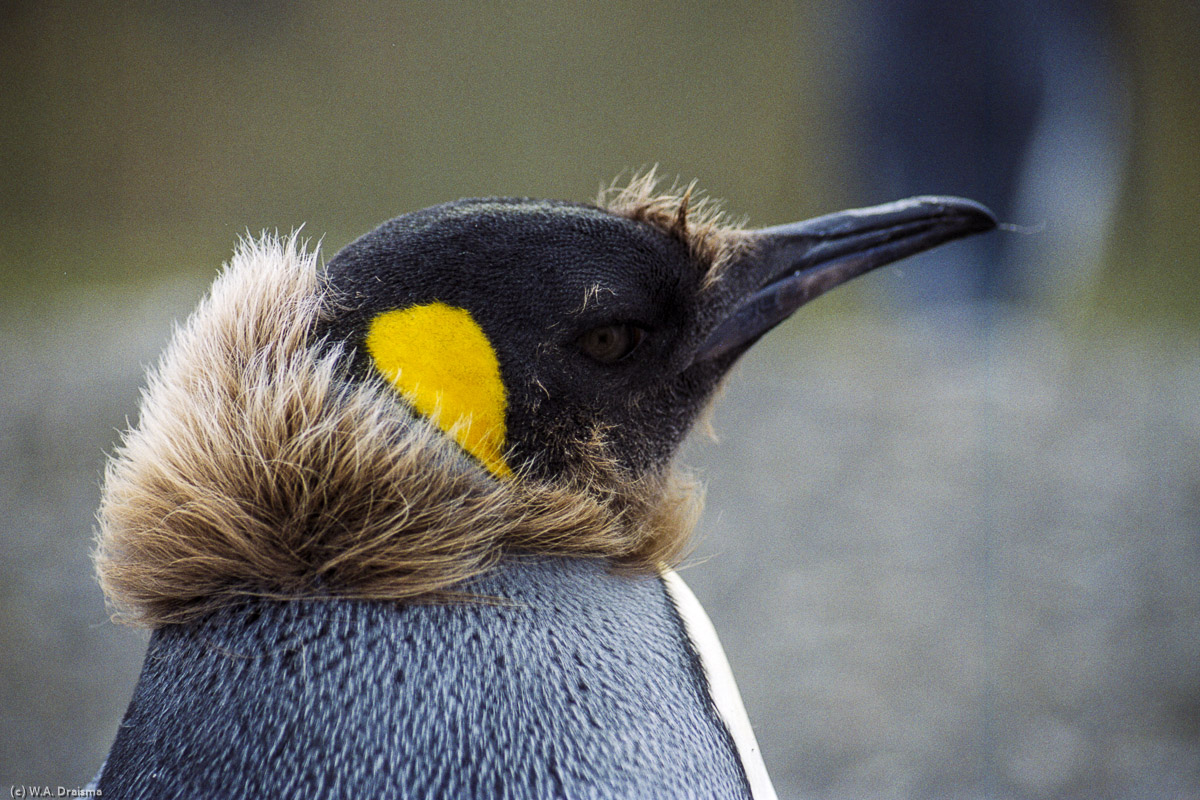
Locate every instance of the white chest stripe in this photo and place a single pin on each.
(720, 681)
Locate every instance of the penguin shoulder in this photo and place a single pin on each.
(721, 684)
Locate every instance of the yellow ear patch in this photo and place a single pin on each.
(439, 358)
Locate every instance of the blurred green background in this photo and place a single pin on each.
(142, 139)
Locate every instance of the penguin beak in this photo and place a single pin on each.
(788, 265)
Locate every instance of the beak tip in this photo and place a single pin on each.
(969, 216)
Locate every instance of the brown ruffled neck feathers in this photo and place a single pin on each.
(696, 221)
(257, 468)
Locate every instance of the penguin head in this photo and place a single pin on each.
(531, 330)
(563, 348)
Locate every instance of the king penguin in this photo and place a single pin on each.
(403, 526)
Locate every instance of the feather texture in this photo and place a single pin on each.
(582, 684)
(258, 467)
(697, 221)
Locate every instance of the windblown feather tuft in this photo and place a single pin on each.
(258, 467)
(697, 221)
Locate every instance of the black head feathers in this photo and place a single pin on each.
(537, 328)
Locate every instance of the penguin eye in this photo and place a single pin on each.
(610, 343)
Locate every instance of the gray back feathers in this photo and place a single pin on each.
(578, 684)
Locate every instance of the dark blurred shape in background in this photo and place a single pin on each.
(943, 565)
(1020, 104)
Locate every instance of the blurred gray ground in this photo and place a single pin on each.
(947, 558)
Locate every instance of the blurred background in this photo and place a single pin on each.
(952, 542)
